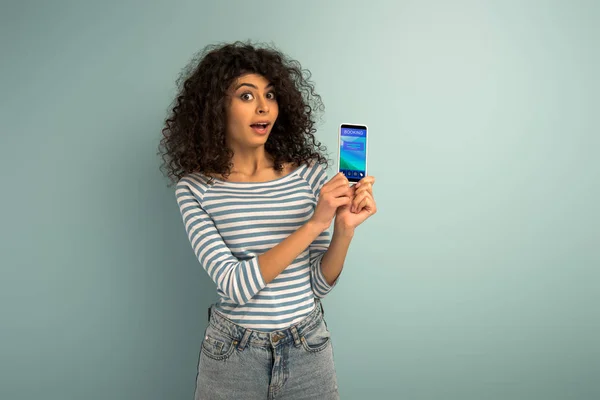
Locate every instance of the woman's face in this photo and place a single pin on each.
(251, 112)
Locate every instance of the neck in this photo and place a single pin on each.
(250, 161)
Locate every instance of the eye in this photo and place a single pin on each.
(271, 96)
(247, 96)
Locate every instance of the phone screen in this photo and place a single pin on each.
(353, 151)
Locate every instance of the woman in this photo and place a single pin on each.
(257, 204)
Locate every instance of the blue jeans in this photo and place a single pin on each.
(239, 363)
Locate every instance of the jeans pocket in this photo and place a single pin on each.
(217, 345)
(317, 338)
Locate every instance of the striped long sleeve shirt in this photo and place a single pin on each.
(229, 224)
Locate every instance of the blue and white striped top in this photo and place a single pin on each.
(229, 224)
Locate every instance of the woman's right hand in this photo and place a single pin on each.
(335, 193)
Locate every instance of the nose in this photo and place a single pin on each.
(262, 106)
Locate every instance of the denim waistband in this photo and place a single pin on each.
(244, 336)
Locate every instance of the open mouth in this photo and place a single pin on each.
(260, 127)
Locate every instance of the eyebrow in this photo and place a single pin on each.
(252, 86)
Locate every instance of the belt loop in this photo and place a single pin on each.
(321, 304)
(295, 335)
(244, 340)
(209, 312)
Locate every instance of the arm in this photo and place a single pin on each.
(347, 219)
(332, 262)
(327, 256)
(275, 260)
(241, 280)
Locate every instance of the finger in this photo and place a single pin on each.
(364, 204)
(358, 200)
(338, 187)
(336, 179)
(366, 180)
(358, 197)
(368, 204)
(339, 177)
(341, 201)
(367, 187)
(341, 190)
(333, 181)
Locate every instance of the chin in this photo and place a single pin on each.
(262, 138)
(258, 141)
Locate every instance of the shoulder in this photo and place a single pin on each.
(315, 174)
(194, 184)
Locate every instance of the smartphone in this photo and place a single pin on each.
(352, 151)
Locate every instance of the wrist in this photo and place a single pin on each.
(343, 231)
(315, 228)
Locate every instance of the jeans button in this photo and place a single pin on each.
(277, 337)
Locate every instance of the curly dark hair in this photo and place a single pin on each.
(194, 132)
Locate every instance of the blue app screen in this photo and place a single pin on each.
(353, 152)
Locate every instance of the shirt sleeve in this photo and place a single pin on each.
(319, 246)
(240, 280)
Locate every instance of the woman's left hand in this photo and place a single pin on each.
(362, 207)
(363, 195)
